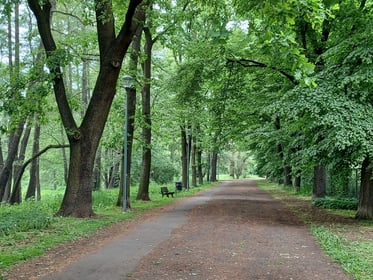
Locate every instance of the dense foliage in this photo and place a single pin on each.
(284, 84)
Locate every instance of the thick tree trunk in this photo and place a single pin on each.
(319, 182)
(287, 176)
(77, 201)
(365, 208)
(143, 193)
(297, 182)
(34, 182)
(214, 166)
(84, 140)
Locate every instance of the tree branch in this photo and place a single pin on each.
(26, 163)
(253, 63)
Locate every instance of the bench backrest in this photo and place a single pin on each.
(164, 189)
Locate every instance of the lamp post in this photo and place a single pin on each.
(128, 84)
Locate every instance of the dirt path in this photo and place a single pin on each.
(242, 233)
(234, 231)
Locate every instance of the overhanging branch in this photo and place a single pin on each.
(253, 63)
(26, 163)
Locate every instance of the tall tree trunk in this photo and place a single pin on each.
(193, 162)
(6, 172)
(199, 157)
(199, 167)
(113, 174)
(64, 157)
(287, 176)
(214, 166)
(34, 182)
(16, 196)
(287, 180)
(97, 171)
(319, 182)
(143, 192)
(77, 200)
(297, 182)
(84, 140)
(365, 208)
(184, 160)
(208, 167)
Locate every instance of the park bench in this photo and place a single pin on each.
(166, 192)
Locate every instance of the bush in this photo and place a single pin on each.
(336, 203)
(163, 172)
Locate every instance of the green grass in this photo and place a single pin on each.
(350, 245)
(355, 257)
(29, 229)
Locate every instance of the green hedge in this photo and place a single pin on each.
(336, 203)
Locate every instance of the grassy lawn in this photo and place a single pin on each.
(29, 229)
(346, 240)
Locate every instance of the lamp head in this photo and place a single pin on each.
(128, 81)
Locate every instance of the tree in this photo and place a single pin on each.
(84, 139)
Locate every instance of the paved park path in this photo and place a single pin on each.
(234, 231)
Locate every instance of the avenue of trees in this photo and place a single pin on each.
(285, 84)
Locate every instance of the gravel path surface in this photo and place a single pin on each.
(241, 233)
(234, 231)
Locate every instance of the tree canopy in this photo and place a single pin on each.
(288, 82)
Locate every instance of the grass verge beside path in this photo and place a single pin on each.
(29, 229)
(346, 240)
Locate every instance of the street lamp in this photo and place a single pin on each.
(128, 85)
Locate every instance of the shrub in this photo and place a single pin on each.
(336, 203)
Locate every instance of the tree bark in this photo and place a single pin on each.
(6, 172)
(199, 167)
(287, 176)
(143, 192)
(365, 208)
(297, 182)
(34, 182)
(319, 182)
(184, 160)
(193, 161)
(208, 167)
(214, 165)
(16, 196)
